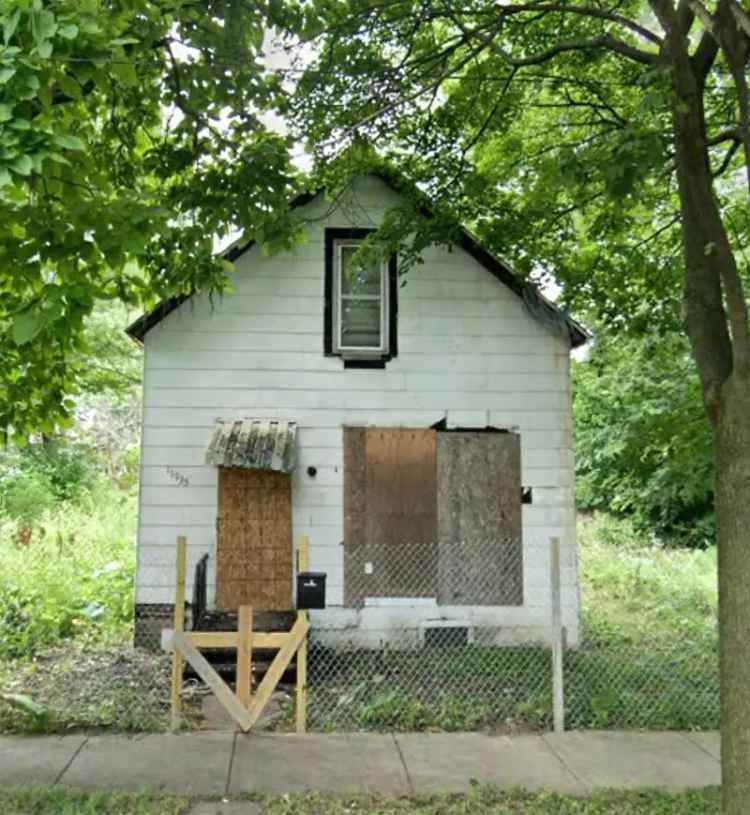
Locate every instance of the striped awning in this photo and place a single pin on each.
(260, 444)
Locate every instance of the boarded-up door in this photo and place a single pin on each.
(390, 516)
(254, 539)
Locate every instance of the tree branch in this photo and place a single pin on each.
(734, 147)
(605, 41)
(582, 11)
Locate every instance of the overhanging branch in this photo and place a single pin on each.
(606, 42)
(582, 11)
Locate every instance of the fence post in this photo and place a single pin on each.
(303, 564)
(558, 640)
(178, 627)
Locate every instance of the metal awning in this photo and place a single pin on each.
(260, 444)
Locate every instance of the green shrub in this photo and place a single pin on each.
(74, 579)
(26, 495)
(69, 466)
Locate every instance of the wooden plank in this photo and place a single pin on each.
(401, 520)
(179, 626)
(244, 654)
(301, 706)
(220, 689)
(294, 639)
(479, 518)
(229, 639)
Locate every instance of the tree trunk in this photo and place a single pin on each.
(732, 501)
(714, 301)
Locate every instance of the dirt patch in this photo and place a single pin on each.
(88, 687)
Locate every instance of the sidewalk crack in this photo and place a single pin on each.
(71, 760)
(403, 764)
(565, 766)
(694, 743)
(231, 765)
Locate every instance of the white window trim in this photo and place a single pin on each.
(359, 351)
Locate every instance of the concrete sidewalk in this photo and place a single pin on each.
(216, 764)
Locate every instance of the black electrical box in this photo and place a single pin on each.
(311, 590)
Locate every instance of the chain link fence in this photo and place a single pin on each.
(651, 683)
(447, 635)
(432, 636)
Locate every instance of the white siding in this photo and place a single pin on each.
(468, 352)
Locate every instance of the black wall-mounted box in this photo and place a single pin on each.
(311, 590)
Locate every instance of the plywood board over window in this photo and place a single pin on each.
(432, 514)
(479, 518)
(254, 539)
(390, 521)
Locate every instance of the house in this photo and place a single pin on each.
(402, 428)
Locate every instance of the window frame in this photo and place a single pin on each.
(338, 304)
(358, 356)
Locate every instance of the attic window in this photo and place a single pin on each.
(360, 302)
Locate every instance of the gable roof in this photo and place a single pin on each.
(536, 303)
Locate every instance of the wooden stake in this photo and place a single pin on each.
(303, 564)
(179, 626)
(244, 654)
(295, 638)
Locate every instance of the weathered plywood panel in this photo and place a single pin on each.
(390, 507)
(479, 519)
(254, 540)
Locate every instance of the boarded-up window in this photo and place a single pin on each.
(479, 519)
(390, 514)
(254, 539)
(430, 514)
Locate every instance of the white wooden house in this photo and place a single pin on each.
(264, 411)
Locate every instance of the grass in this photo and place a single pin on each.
(479, 801)
(60, 801)
(73, 578)
(648, 657)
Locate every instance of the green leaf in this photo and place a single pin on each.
(6, 112)
(68, 31)
(123, 41)
(10, 24)
(58, 157)
(70, 87)
(22, 165)
(126, 73)
(25, 703)
(69, 142)
(6, 74)
(43, 25)
(44, 49)
(5, 177)
(26, 326)
(45, 95)
(20, 124)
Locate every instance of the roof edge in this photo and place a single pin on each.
(529, 294)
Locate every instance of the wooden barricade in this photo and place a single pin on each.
(243, 706)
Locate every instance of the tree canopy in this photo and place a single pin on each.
(130, 138)
(642, 439)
